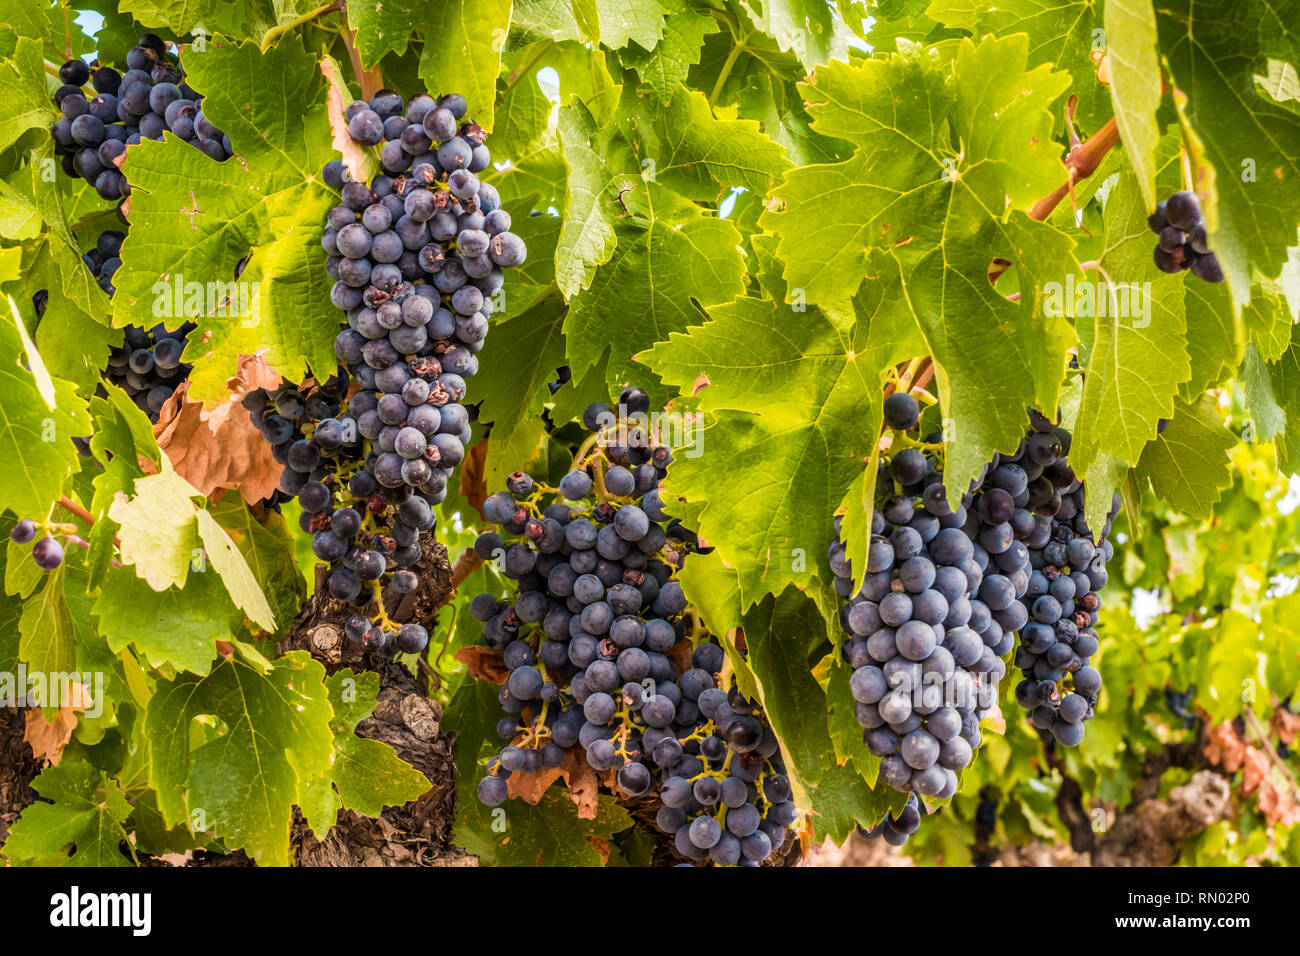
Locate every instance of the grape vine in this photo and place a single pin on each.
(604, 655)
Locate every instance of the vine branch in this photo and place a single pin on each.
(1082, 161)
(273, 34)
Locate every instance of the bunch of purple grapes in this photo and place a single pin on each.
(1181, 240)
(1060, 685)
(935, 613)
(148, 366)
(587, 638)
(48, 551)
(895, 829)
(418, 259)
(105, 258)
(368, 534)
(150, 98)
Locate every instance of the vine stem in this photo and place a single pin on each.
(519, 72)
(1081, 162)
(466, 564)
(276, 32)
(730, 62)
(67, 504)
(369, 80)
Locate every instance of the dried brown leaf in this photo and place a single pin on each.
(483, 663)
(219, 448)
(48, 738)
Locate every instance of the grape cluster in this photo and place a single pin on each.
(418, 259)
(1179, 704)
(148, 366)
(936, 612)
(896, 829)
(1181, 240)
(150, 98)
(1059, 686)
(368, 463)
(47, 552)
(370, 535)
(105, 258)
(590, 640)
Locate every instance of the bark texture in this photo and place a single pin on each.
(18, 768)
(417, 833)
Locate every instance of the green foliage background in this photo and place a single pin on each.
(784, 198)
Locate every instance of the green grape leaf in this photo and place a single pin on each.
(663, 68)
(544, 20)
(1131, 340)
(782, 648)
(82, 808)
(48, 641)
(548, 834)
(1188, 462)
(889, 211)
(657, 274)
(807, 28)
(365, 775)
(38, 419)
(714, 591)
(1105, 475)
(1061, 34)
(858, 505)
(1271, 314)
(244, 783)
(24, 101)
(1285, 377)
(1215, 52)
(686, 149)
(174, 627)
(587, 237)
(842, 801)
(267, 547)
(1213, 334)
(1135, 86)
(56, 261)
(523, 116)
(521, 358)
(779, 110)
(382, 27)
(235, 573)
(237, 18)
(1268, 420)
(122, 437)
(19, 217)
(193, 220)
(157, 528)
(21, 574)
(624, 21)
(788, 415)
(463, 40)
(41, 22)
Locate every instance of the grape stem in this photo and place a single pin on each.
(273, 34)
(1081, 162)
(67, 504)
(725, 72)
(370, 80)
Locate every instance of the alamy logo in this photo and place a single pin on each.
(1131, 300)
(76, 909)
(176, 298)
